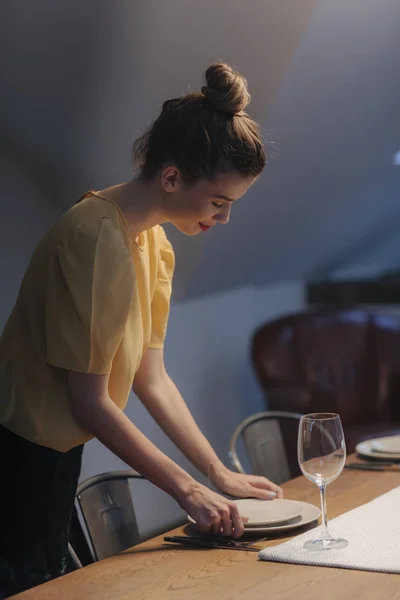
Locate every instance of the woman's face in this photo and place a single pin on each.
(197, 207)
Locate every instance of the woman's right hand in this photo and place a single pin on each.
(213, 513)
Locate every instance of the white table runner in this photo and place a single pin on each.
(373, 533)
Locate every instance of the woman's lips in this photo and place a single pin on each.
(204, 227)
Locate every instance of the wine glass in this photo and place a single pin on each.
(321, 453)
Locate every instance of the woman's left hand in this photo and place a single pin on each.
(240, 485)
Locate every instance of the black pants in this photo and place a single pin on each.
(38, 487)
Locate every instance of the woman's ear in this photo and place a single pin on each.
(171, 179)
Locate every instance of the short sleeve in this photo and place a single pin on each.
(162, 294)
(88, 298)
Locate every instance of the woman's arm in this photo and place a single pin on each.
(161, 397)
(164, 402)
(94, 411)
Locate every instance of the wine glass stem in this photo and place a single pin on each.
(324, 521)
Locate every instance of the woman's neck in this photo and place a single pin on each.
(140, 202)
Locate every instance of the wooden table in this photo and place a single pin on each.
(154, 571)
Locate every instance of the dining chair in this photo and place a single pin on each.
(327, 360)
(263, 440)
(107, 511)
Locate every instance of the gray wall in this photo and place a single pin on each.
(26, 213)
(83, 79)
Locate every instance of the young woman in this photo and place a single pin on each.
(89, 325)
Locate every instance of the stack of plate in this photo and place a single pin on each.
(384, 448)
(275, 516)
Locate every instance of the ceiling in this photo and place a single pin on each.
(81, 80)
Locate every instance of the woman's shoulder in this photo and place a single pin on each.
(94, 249)
(91, 221)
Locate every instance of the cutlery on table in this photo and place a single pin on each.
(381, 466)
(211, 543)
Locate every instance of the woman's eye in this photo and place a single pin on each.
(218, 205)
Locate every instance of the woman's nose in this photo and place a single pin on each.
(224, 215)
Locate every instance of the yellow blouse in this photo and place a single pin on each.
(92, 300)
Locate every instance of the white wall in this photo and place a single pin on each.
(207, 354)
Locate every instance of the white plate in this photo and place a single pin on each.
(388, 445)
(367, 449)
(262, 513)
(309, 514)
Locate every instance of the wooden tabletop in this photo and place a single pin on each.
(154, 571)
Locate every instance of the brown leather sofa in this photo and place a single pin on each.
(342, 361)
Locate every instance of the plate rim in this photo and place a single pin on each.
(363, 448)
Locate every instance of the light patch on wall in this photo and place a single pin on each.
(396, 158)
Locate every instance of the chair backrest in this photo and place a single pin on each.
(267, 453)
(107, 509)
(346, 362)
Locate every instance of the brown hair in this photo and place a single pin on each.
(204, 133)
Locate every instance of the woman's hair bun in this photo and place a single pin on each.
(226, 89)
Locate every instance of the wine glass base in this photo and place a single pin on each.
(326, 544)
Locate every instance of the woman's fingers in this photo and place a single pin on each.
(237, 522)
(214, 513)
(216, 527)
(265, 484)
(227, 522)
(232, 523)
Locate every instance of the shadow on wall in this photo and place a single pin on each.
(219, 411)
(27, 214)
